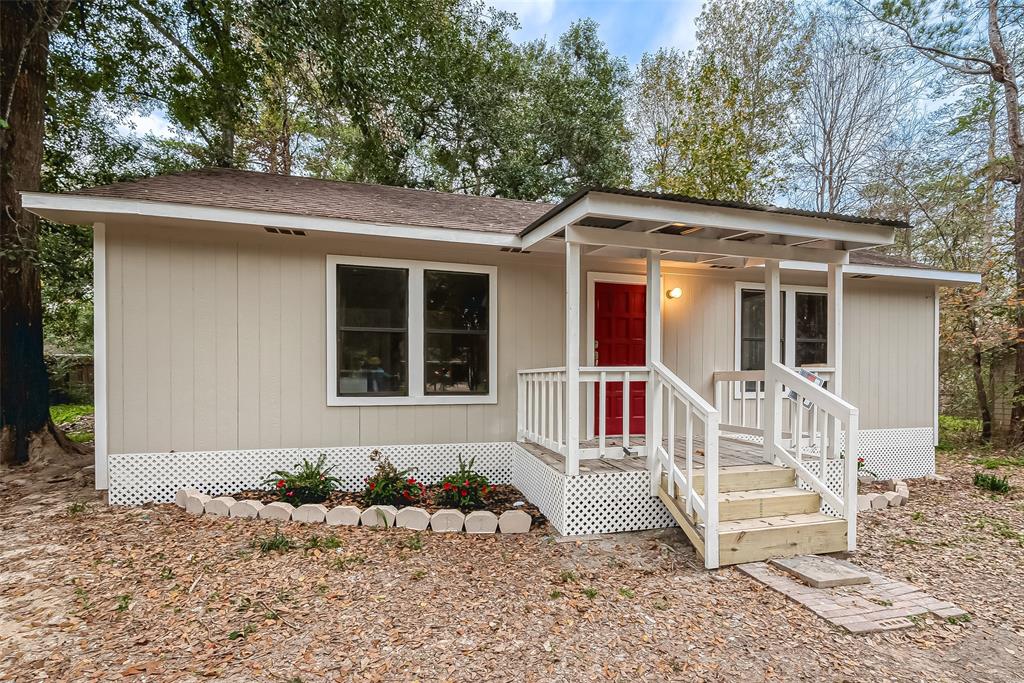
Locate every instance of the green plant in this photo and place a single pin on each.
(314, 542)
(276, 542)
(343, 563)
(123, 602)
(554, 595)
(246, 630)
(590, 592)
(77, 508)
(567, 576)
(465, 489)
(414, 542)
(917, 516)
(997, 462)
(991, 482)
(312, 483)
(166, 574)
(958, 619)
(862, 468)
(389, 485)
(626, 593)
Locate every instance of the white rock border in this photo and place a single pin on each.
(480, 522)
(898, 494)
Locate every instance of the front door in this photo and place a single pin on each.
(620, 338)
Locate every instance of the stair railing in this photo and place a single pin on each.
(819, 423)
(540, 412)
(675, 407)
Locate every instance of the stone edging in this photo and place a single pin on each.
(418, 519)
(898, 494)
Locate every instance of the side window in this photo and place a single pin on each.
(373, 331)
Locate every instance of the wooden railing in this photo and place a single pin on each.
(540, 411)
(673, 404)
(818, 422)
(600, 378)
(739, 397)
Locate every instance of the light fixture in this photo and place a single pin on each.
(674, 293)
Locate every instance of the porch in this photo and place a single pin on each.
(754, 471)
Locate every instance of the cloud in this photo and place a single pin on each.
(533, 14)
(154, 123)
(679, 31)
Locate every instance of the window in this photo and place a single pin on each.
(410, 332)
(804, 320)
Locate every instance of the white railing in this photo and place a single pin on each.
(600, 378)
(818, 420)
(540, 413)
(673, 404)
(739, 397)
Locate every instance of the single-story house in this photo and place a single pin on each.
(246, 320)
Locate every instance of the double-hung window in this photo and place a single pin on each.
(410, 332)
(804, 316)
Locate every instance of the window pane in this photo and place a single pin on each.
(752, 301)
(456, 363)
(811, 317)
(456, 310)
(455, 301)
(372, 363)
(374, 298)
(811, 353)
(752, 328)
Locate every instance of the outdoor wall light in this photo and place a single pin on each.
(674, 293)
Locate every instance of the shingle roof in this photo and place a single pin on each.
(249, 190)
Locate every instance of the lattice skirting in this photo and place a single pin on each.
(137, 478)
(898, 453)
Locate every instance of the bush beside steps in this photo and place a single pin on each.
(418, 519)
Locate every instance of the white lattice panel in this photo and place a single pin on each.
(137, 478)
(542, 486)
(612, 501)
(899, 453)
(833, 480)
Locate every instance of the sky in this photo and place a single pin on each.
(628, 27)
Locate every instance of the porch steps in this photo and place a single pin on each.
(762, 515)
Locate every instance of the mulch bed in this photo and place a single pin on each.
(500, 497)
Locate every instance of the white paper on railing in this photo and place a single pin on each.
(810, 377)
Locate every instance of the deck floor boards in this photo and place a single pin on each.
(731, 453)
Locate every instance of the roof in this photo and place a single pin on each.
(250, 190)
(300, 195)
(576, 196)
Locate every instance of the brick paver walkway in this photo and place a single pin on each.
(882, 605)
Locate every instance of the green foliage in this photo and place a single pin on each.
(465, 489)
(123, 602)
(991, 482)
(591, 593)
(389, 485)
(65, 413)
(77, 508)
(315, 542)
(311, 483)
(276, 542)
(957, 432)
(994, 463)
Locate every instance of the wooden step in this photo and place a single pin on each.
(766, 503)
(753, 540)
(748, 478)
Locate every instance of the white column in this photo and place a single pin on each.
(652, 425)
(835, 326)
(99, 350)
(772, 336)
(572, 358)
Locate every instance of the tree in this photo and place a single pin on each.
(25, 426)
(968, 40)
(852, 101)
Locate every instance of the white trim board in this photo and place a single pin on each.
(416, 335)
(99, 350)
(945, 277)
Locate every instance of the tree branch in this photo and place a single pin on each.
(158, 25)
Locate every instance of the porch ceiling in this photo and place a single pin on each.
(625, 223)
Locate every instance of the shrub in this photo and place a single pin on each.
(991, 482)
(312, 483)
(389, 485)
(465, 489)
(277, 542)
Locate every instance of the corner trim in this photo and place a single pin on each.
(99, 350)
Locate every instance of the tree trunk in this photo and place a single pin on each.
(983, 399)
(25, 427)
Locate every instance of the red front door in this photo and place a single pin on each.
(620, 338)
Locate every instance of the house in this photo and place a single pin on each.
(244, 320)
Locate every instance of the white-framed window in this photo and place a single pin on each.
(403, 332)
(804, 326)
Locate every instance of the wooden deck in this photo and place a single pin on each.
(731, 453)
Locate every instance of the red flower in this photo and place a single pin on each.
(411, 481)
(447, 486)
(483, 490)
(466, 483)
(372, 486)
(290, 493)
(464, 493)
(280, 484)
(405, 494)
(860, 459)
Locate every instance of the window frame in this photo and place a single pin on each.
(789, 333)
(416, 341)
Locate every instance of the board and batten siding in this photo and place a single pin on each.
(217, 341)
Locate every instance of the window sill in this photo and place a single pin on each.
(488, 399)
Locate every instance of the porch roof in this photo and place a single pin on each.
(617, 222)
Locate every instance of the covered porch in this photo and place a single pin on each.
(769, 418)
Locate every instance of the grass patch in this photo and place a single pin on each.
(315, 542)
(414, 542)
(1000, 528)
(590, 592)
(917, 516)
(277, 542)
(995, 463)
(80, 437)
(554, 595)
(626, 593)
(77, 508)
(69, 412)
(123, 603)
(957, 432)
(959, 619)
(343, 563)
(567, 576)
(991, 482)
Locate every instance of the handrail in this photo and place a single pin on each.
(814, 393)
(537, 371)
(688, 393)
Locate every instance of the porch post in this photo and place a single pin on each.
(772, 337)
(572, 358)
(835, 326)
(652, 420)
